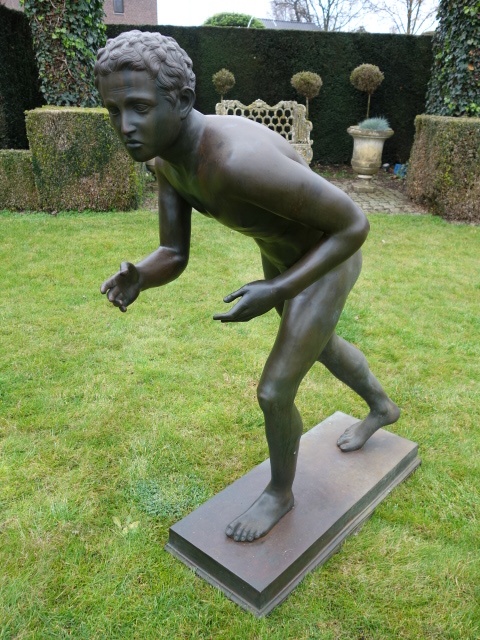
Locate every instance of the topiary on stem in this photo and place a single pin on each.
(367, 78)
(307, 84)
(223, 81)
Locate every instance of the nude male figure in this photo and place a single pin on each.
(250, 179)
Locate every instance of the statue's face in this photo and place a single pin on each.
(145, 121)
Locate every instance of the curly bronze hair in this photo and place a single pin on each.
(160, 56)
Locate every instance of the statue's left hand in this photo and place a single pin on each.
(256, 299)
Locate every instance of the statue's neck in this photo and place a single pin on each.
(183, 155)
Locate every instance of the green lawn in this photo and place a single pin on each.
(115, 425)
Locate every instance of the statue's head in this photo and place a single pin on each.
(160, 56)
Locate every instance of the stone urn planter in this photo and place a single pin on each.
(367, 151)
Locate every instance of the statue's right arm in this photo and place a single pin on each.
(170, 259)
(165, 263)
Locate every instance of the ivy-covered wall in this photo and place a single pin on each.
(264, 60)
(454, 88)
(19, 84)
(66, 37)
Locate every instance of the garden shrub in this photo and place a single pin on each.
(444, 167)
(223, 81)
(367, 78)
(17, 185)
(307, 84)
(78, 161)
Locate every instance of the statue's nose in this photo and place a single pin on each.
(127, 127)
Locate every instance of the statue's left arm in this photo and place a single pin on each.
(296, 193)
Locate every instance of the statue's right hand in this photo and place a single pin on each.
(123, 288)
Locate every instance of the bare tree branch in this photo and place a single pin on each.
(407, 16)
(295, 10)
(329, 15)
(335, 15)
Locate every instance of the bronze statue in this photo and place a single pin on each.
(250, 179)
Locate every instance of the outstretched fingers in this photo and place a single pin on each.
(108, 284)
(233, 314)
(115, 296)
(236, 294)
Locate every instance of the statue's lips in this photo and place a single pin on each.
(133, 144)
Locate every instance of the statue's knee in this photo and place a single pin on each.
(272, 397)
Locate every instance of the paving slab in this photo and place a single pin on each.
(382, 199)
(334, 493)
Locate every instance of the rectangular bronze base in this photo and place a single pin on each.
(334, 493)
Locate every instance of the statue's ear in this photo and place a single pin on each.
(187, 100)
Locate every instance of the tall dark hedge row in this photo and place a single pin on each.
(19, 84)
(263, 62)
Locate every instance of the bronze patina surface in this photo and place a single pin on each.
(308, 232)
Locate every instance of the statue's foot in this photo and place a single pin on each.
(355, 436)
(264, 514)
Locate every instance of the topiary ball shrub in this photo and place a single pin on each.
(367, 78)
(223, 81)
(307, 84)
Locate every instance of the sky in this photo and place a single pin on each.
(190, 13)
(194, 12)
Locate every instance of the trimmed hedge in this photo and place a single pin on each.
(19, 83)
(17, 184)
(264, 60)
(79, 163)
(444, 168)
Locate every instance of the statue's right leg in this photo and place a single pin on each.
(348, 364)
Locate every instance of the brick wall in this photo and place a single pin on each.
(135, 12)
(12, 4)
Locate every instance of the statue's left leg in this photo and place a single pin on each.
(307, 323)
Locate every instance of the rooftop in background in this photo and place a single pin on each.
(287, 24)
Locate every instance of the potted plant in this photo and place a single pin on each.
(307, 84)
(368, 139)
(370, 134)
(223, 81)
